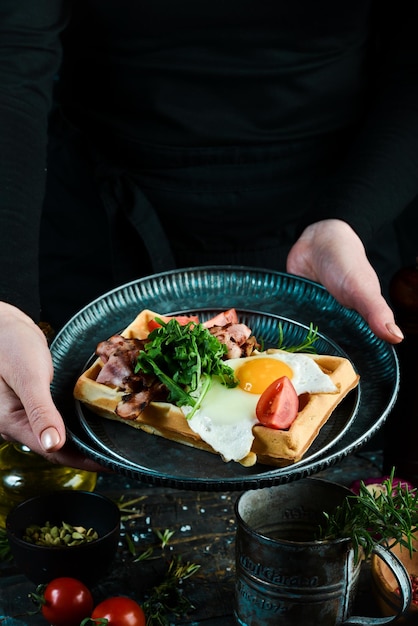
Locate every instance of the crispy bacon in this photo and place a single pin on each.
(237, 338)
(119, 356)
(133, 404)
(107, 348)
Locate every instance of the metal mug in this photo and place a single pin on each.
(286, 577)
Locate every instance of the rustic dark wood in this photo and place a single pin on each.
(204, 525)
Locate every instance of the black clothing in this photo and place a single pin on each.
(228, 125)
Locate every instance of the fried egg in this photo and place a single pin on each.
(226, 416)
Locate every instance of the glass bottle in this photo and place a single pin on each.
(24, 474)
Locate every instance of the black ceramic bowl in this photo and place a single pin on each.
(87, 562)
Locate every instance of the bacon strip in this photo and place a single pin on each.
(237, 338)
(119, 357)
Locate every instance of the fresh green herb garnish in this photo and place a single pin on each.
(305, 346)
(185, 358)
(167, 597)
(387, 517)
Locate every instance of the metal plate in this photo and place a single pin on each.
(263, 298)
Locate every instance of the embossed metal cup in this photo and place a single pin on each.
(286, 577)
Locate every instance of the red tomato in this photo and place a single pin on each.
(182, 320)
(278, 405)
(66, 602)
(227, 317)
(119, 611)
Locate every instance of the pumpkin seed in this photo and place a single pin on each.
(64, 535)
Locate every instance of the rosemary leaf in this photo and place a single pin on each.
(387, 517)
(305, 346)
(167, 598)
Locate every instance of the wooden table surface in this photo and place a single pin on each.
(204, 531)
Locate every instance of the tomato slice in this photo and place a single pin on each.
(278, 405)
(226, 317)
(182, 320)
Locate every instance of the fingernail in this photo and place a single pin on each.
(395, 330)
(49, 439)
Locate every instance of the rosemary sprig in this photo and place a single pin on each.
(387, 516)
(305, 346)
(127, 509)
(168, 598)
(163, 536)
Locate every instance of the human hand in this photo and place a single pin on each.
(27, 411)
(331, 253)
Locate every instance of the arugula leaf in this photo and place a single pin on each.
(184, 358)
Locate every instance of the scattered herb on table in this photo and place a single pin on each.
(166, 598)
(127, 508)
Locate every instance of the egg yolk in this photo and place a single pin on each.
(256, 374)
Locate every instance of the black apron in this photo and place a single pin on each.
(116, 211)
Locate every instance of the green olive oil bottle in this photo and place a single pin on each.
(24, 474)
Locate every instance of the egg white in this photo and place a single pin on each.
(226, 416)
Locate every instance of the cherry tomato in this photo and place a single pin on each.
(119, 611)
(182, 320)
(278, 405)
(66, 602)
